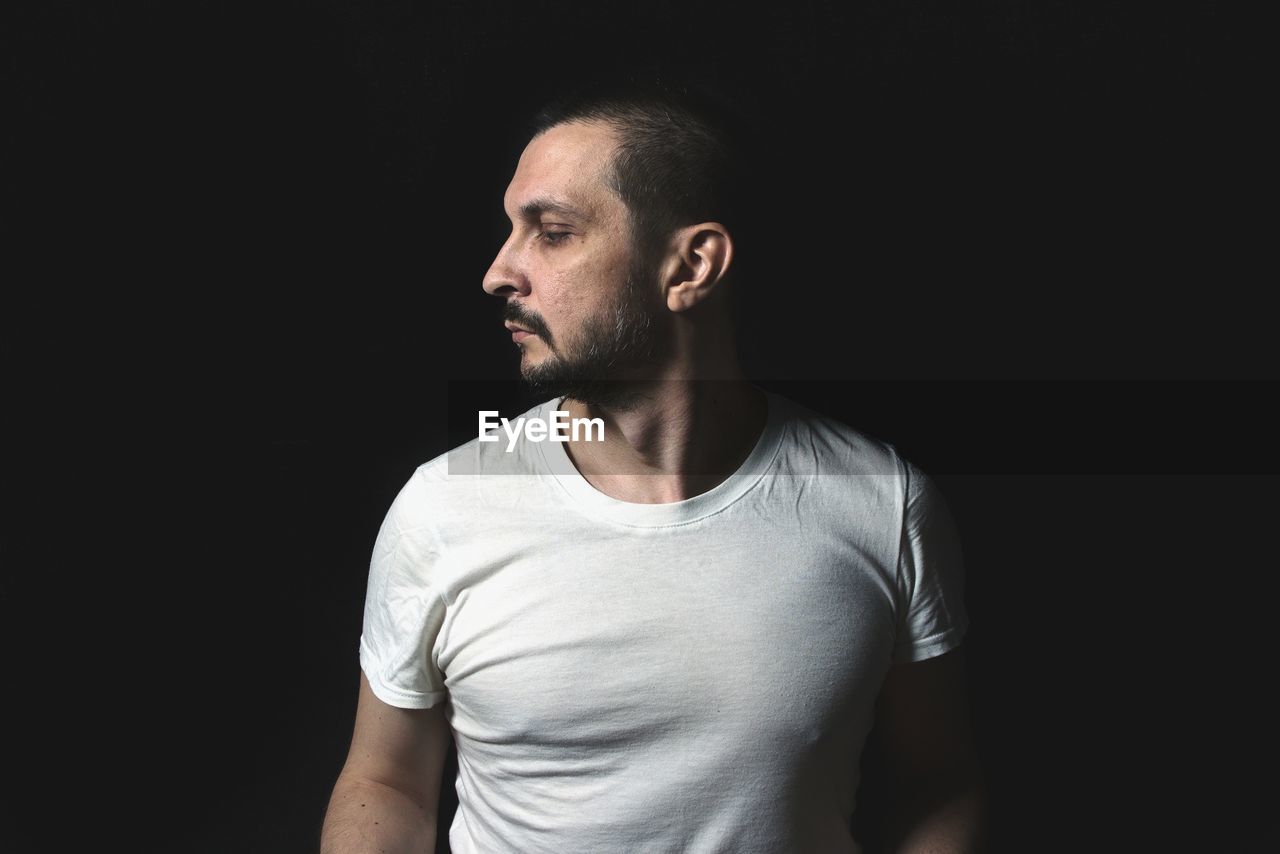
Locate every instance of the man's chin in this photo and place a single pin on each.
(543, 387)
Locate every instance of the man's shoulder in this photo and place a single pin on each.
(501, 448)
(819, 443)
(452, 484)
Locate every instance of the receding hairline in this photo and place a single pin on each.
(550, 203)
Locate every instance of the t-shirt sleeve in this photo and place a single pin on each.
(932, 617)
(403, 609)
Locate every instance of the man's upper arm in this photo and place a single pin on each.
(401, 748)
(922, 714)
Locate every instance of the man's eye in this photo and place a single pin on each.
(553, 237)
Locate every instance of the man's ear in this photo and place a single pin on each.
(697, 263)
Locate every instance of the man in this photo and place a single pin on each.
(675, 637)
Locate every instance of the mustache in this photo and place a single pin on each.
(512, 313)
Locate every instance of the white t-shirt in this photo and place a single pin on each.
(688, 677)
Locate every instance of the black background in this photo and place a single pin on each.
(245, 248)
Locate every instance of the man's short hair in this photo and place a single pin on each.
(685, 148)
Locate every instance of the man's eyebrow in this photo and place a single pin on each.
(535, 208)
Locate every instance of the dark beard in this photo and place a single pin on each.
(613, 347)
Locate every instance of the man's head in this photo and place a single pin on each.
(621, 206)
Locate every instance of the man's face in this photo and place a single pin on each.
(569, 273)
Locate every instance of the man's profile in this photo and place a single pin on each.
(675, 638)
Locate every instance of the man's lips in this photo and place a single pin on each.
(518, 334)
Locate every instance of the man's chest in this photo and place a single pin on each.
(622, 639)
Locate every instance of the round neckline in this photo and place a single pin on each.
(594, 502)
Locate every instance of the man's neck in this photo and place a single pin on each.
(683, 439)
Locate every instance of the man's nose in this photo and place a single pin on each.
(505, 275)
